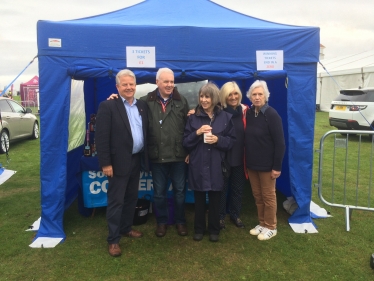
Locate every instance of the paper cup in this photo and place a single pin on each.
(207, 134)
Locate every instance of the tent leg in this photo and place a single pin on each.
(93, 213)
(348, 216)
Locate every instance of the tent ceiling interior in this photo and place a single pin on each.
(198, 40)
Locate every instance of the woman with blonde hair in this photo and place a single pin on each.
(230, 97)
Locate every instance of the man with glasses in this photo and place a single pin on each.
(167, 112)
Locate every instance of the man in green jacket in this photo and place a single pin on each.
(167, 112)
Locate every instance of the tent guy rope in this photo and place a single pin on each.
(7, 87)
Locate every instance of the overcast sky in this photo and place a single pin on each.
(347, 27)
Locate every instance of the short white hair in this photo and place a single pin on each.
(125, 72)
(162, 70)
(257, 84)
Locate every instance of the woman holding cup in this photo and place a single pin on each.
(209, 133)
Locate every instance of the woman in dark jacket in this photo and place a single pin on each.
(264, 151)
(231, 96)
(209, 133)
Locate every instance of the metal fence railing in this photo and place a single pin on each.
(345, 170)
(28, 103)
(31, 104)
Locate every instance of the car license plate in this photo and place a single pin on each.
(340, 107)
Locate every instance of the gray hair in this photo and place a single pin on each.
(125, 72)
(162, 70)
(210, 90)
(257, 84)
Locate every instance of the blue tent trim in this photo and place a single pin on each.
(210, 42)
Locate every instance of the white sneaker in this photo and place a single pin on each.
(257, 230)
(267, 234)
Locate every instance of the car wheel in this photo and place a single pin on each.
(4, 142)
(35, 131)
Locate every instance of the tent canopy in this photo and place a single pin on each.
(33, 82)
(198, 40)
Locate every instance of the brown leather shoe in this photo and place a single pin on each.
(182, 229)
(133, 234)
(160, 230)
(114, 250)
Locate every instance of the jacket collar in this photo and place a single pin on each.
(263, 109)
(199, 111)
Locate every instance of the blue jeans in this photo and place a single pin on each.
(161, 172)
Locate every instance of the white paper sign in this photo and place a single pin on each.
(141, 57)
(269, 60)
(54, 42)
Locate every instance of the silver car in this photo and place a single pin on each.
(16, 123)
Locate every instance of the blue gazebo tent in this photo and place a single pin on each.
(198, 40)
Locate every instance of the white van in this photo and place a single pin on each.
(353, 109)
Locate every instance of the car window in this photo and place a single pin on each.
(4, 106)
(357, 96)
(191, 92)
(17, 108)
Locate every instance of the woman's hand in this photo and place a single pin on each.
(204, 129)
(187, 159)
(275, 174)
(113, 96)
(210, 139)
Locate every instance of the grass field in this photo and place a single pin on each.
(332, 254)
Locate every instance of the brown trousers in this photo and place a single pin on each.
(263, 189)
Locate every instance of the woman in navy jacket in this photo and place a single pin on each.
(209, 133)
(264, 148)
(231, 97)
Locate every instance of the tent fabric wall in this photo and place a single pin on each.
(330, 84)
(369, 77)
(341, 73)
(210, 42)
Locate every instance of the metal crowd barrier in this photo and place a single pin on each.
(28, 103)
(345, 170)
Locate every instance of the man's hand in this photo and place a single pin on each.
(108, 171)
(113, 96)
(192, 111)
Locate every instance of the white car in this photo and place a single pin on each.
(16, 123)
(353, 109)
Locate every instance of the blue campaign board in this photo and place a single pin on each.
(95, 187)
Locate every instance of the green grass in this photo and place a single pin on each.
(342, 181)
(332, 254)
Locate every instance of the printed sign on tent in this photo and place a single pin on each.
(269, 60)
(141, 57)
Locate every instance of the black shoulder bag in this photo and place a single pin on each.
(226, 169)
